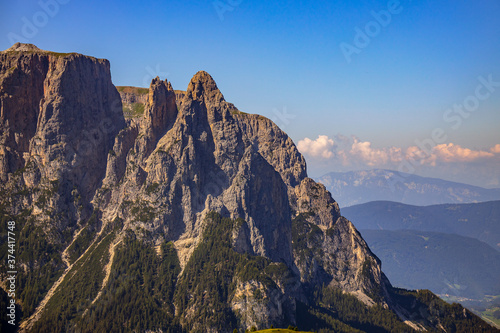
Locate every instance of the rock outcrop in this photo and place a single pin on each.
(74, 167)
(59, 116)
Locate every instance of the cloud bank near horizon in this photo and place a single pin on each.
(447, 160)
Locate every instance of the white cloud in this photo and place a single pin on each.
(342, 153)
(496, 149)
(450, 153)
(352, 151)
(321, 147)
(363, 151)
(455, 153)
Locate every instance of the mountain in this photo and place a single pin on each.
(479, 220)
(185, 215)
(447, 264)
(358, 187)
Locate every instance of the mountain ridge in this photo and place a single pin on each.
(114, 210)
(444, 263)
(357, 187)
(477, 220)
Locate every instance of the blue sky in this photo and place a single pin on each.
(284, 60)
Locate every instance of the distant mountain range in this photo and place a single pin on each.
(480, 220)
(357, 187)
(447, 264)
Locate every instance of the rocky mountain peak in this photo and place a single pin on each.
(24, 47)
(203, 86)
(216, 199)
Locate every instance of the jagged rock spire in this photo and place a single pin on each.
(161, 109)
(203, 86)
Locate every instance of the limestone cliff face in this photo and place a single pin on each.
(203, 162)
(157, 176)
(22, 88)
(59, 116)
(333, 251)
(209, 156)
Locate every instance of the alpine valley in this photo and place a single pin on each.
(160, 210)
